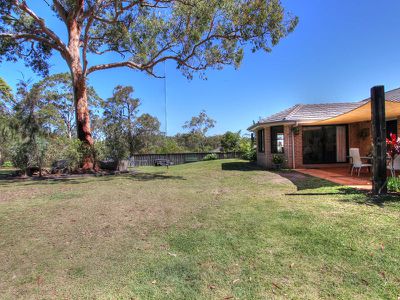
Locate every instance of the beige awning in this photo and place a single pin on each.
(361, 113)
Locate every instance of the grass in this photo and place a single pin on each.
(207, 230)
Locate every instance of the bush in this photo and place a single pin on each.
(74, 153)
(8, 164)
(29, 153)
(394, 184)
(211, 156)
(20, 156)
(277, 159)
(248, 151)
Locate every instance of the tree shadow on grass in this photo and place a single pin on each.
(322, 187)
(88, 178)
(306, 182)
(142, 176)
(369, 199)
(240, 166)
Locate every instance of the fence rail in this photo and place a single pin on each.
(177, 158)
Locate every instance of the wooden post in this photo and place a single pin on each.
(379, 140)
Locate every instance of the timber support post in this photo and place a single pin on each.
(378, 120)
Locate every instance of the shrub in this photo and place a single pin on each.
(211, 156)
(29, 153)
(394, 184)
(20, 156)
(277, 159)
(74, 153)
(8, 164)
(248, 151)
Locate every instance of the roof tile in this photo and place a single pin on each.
(322, 111)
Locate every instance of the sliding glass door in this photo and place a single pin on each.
(324, 144)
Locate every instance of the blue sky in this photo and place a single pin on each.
(339, 50)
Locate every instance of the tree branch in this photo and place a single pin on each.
(128, 64)
(29, 36)
(62, 47)
(61, 10)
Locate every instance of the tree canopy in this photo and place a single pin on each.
(137, 34)
(196, 34)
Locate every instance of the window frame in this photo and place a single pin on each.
(394, 122)
(261, 140)
(275, 131)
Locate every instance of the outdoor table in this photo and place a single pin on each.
(162, 162)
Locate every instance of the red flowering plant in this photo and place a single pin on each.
(393, 148)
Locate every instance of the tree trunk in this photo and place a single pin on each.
(83, 121)
(69, 130)
(80, 95)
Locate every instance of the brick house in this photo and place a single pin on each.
(311, 135)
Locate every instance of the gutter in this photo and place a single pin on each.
(269, 124)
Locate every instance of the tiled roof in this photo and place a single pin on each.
(304, 112)
(393, 95)
(323, 111)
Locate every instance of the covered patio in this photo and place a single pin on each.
(341, 175)
(325, 139)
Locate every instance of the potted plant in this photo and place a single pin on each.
(277, 161)
(363, 133)
(296, 130)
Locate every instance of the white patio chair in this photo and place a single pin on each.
(356, 161)
(396, 165)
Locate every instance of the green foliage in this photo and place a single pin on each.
(6, 130)
(211, 156)
(74, 153)
(30, 153)
(230, 141)
(195, 34)
(278, 159)
(57, 100)
(29, 145)
(170, 145)
(248, 150)
(200, 124)
(147, 135)
(39, 151)
(63, 148)
(6, 95)
(394, 184)
(72, 150)
(20, 156)
(119, 116)
(198, 127)
(8, 164)
(125, 132)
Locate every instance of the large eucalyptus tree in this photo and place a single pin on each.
(196, 34)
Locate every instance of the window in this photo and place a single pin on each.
(391, 127)
(325, 144)
(277, 139)
(261, 140)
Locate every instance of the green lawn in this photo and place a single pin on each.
(207, 230)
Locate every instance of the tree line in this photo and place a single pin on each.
(140, 35)
(38, 127)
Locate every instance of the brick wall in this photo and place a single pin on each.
(298, 148)
(264, 159)
(287, 144)
(355, 141)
